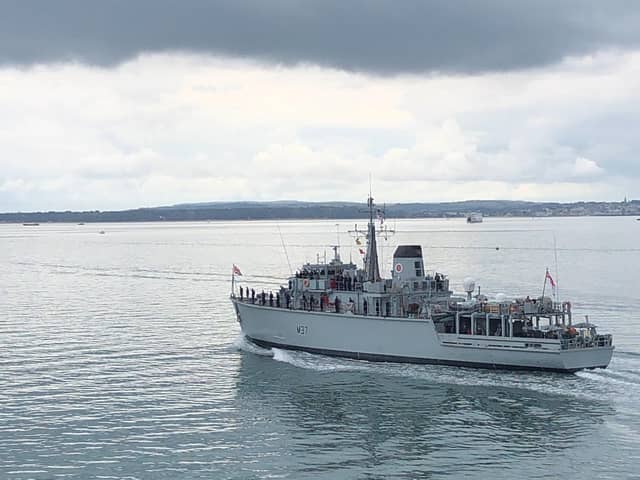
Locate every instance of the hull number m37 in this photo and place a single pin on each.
(302, 329)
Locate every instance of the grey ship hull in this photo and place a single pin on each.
(408, 340)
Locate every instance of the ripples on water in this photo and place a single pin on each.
(120, 358)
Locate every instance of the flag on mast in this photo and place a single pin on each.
(550, 278)
(236, 271)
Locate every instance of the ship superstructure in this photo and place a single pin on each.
(336, 308)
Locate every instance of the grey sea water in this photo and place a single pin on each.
(120, 357)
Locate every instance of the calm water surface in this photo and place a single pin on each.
(120, 357)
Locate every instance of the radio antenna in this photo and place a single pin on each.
(284, 247)
(555, 254)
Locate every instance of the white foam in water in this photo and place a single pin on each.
(607, 376)
(241, 343)
(282, 356)
(319, 363)
(431, 373)
(437, 374)
(622, 370)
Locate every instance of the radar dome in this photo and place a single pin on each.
(501, 298)
(469, 284)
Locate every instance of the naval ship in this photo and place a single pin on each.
(336, 308)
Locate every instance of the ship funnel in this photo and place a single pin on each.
(408, 263)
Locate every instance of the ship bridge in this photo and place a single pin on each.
(326, 276)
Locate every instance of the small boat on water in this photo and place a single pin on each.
(335, 308)
(474, 218)
(30, 224)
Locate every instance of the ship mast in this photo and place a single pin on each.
(371, 268)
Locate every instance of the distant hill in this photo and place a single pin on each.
(288, 209)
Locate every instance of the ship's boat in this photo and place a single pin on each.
(336, 308)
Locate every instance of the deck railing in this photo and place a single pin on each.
(597, 341)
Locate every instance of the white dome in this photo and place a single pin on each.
(501, 298)
(469, 284)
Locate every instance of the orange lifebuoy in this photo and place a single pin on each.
(305, 283)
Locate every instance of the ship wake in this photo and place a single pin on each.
(318, 363)
(241, 343)
(545, 383)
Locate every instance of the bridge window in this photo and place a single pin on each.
(418, 269)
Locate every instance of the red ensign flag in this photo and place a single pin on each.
(553, 284)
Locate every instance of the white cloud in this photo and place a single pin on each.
(177, 128)
(584, 167)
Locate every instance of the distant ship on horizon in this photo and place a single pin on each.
(474, 218)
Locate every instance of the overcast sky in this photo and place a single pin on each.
(119, 104)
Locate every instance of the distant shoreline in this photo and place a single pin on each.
(284, 210)
(88, 223)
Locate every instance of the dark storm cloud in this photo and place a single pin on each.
(381, 36)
